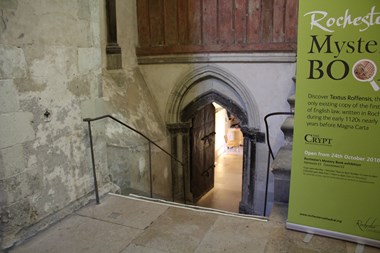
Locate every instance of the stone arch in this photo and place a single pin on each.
(196, 89)
(213, 96)
(176, 100)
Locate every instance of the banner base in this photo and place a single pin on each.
(332, 234)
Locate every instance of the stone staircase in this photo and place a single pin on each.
(281, 164)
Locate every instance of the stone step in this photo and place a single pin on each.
(287, 128)
(280, 168)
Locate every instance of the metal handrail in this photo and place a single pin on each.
(89, 120)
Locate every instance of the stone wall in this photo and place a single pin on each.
(131, 101)
(50, 62)
(128, 153)
(52, 75)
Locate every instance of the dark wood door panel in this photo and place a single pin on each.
(202, 152)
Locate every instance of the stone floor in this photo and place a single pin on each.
(226, 194)
(123, 224)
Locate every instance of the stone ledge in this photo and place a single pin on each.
(283, 161)
(217, 58)
(292, 101)
(287, 127)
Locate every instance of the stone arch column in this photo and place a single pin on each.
(180, 143)
(196, 90)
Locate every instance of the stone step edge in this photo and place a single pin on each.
(287, 126)
(282, 163)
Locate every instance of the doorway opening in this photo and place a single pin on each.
(195, 90)
(224, 189)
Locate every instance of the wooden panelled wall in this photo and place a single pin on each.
(201, 26)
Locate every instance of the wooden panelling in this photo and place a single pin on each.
(143, 23)
(240, 24)
(201, 26)
(195, 21)
(278, 20)
(171, 22)
(225, 22)
(183, 35)
(254, 21)
(291, 14)
(210, 22)
(156, 18)
(267, 21)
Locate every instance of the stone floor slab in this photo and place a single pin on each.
(133, 248)
(226, 194)
(351, 248)
(177, 230)
(232, 234)
(111, 228)
(77, 234)
(282, 240)
(279, 213)
(124, 211)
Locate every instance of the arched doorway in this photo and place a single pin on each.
(201, 113)
(221, 178)
(197, 89)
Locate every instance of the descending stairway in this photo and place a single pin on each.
(281, 165)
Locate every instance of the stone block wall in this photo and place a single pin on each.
(52, 75)
(50, 62)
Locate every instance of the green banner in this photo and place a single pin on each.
(335, 177)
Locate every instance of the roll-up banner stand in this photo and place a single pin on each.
(335, 177)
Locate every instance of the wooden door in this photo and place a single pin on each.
(203, 152)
